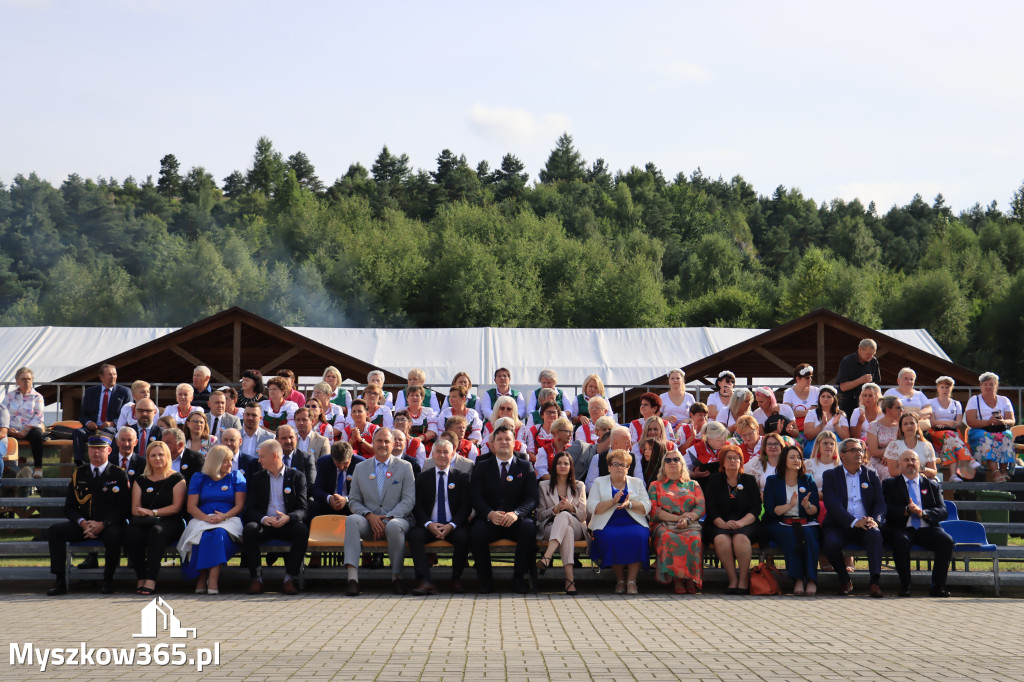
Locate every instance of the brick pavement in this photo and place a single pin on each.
(655, 636)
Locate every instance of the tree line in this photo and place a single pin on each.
(468, 246)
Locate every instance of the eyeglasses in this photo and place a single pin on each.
(672, 460)
(617, 465)
(773, 445)
(859, 450)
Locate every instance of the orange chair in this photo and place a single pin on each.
(12, 450)
(327, 530)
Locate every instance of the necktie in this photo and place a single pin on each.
(340, 489)
(95, 472)
(124, 462)
(103, 408)
(504, 470)
(381, 471)
(143, 435)
(287, 460)
(216, 420)
(442, 515)
(915, 496)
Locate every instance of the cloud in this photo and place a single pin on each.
(685, 72)
(516, 125)
(887, 194)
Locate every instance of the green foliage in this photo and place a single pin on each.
(565, 162)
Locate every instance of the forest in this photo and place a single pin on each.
(466, 245)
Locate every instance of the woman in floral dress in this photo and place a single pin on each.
(676, 505)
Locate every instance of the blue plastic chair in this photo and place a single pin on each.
(951, 511)
(968, 535)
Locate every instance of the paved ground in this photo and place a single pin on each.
(653, 636)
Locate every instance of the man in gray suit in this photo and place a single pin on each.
(309, 440)
(219, 418)
(382, 496)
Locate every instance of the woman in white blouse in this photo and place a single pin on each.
(868, 411)
(767, 406)
(675, 402)
(910, 437)
(990, 417)
(912, 400)
(826, 416)
(719, 400)
(947, 416)
(802, 396)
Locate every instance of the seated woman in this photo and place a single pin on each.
(417, 377)
(252, 389)
(548, 379)
(158, 500)
(342, 397)
(733, 505)
(688, 434)
(231, 402)
(826, 416)
(561, 437)
(597, 407)
(747, 431)
(167, 422)
(790, 516)
(719, 400)
(767, 406)
(990, 418)
(650, 458)
(802, 396)
(912, 400)
(421, 418)
(676, 402)
(24, 407)
(183, 407)
(618, 506)
(376, 378)
(867, 413)
(216, 496)
(462, 379)
(332, 412)
(293, 393)
(650, 406)
(739, 406)
(561, 517)
(947, 416)
(505, 407)
(824, 456)
(276, 409)
(593, 387)
(315, 409)
(539, 435)
(376, 413)
(197, 433)
(881, 432)
(910, 437)
(702, 458)
(457, 408)
(677, 503)
(764, 465)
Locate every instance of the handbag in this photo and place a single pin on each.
(764, 579)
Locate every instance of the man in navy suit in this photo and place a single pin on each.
(101, 405)
(914, 510)
(505, 496)
(145, 430)
(855, 510)
(333, 480)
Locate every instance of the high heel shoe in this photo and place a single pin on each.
(572, 584)
(543, 563)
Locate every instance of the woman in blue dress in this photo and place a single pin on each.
(619, 505)
(216, 496)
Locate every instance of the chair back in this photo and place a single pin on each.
(327, 530)
(951, 513)
(967, 533)
(12, 450)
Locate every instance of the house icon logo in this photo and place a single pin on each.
(151, 621)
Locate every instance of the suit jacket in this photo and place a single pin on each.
(106, 499)
(92, 401)
(262, 436)
(601, 491)
(136, 465)
(306, 463)
(155, 433)
(326, 483)
(463, 464)
(399, 490)
(318, 445)
(833, 488)
(257, 497)
(248, 464)
(415, 465)
(549, 499)
(226, 421)
(897, 498)
(775, 494)
(491, 493)
(191, 462)
(460, 499)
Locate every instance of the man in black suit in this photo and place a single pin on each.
(443, 504)
(856, 507)
(186, 462)
(247, 464)
(914, 509)
(126, 457)
(293, 457)
(145, 429)
(275, 509)
(333, 480)
(101, 406)
(505, 495)
(96, 507)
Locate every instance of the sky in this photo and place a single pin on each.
(869, 100)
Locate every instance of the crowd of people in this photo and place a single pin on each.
(224, 470)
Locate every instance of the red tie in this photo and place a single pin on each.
(103, 407)
(124, 462)
(143, 433)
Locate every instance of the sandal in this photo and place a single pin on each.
(631, 587)
(543, 563)
(572, 584)
(620, 587)
(691, 586)
(146, 591)
(680, 586)
(812, 588)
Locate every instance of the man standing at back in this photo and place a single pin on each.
(855, 370)
(101, 406)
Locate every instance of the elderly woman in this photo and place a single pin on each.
(910, 437)
(457, 407)
(561, 515)
(597, 407)
(618, 506)
(548, 378)
(912, 400)
(158, 499)
(376, 378)
(539, 435)
(767, 406)
(216, 496)
(277, 409)
(764, 465)
(826, 416)
(719, 400)
(677, 503)
(183, 406)
(421, 417)
(417, 377)
(24, 407)
(883, 431)
(739, 406)
(197, 433)
(733, 505)
(338, 396)
(867, 412)
(749, 437)
(561, 437)
(377, 413)
(802, 396)
(990, 418)
(593, 387)
(252, 389)
(675, 402)
(791, 511)
(505, 407)
(947, 416)
(702, 458)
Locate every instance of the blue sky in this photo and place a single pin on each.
(876, 100)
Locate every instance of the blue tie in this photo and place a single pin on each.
(442, 516)
(915, 496)
(381, 468)
(341, 483)
(287, 460)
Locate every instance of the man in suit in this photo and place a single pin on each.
(914, 509)
(126, 458)
(145, 430)
(505, 495)
(309, 440)
(381, 498)
(275, 509)
(253, 435)
(219, 418)
(856, 507)
(201, 387)
(96, 507)
(247, 464)
(334, 480)
(458, 463)
(617, 439)
(186, 462)
(293, 457)
(443, 504)
(101, 406)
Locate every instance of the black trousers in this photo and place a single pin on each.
(69, 531)
(483, 533)
(419, 536)
(146, 543)
(35, 442)
(294, 532)
(934, 538)
(836, 538)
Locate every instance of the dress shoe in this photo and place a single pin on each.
(519, 585)
(846, 588)
(255, 587)
(91, 561)
(485, 587)
(60, 587)
(938, 592)
(875, 592)
(424, 588)
(289, 587)
(397, 586)
(315, 561)
(108, 587)
(353, 589)
(904, 591)
(457, 587)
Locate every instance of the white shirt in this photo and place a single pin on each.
(925, 451)
(812, 418)
(249, 443)
(793, 400)
(946, 414)
(916, 482)
(784, 411)
(977, 403)
(670, 409)
(172, 411)
(917, 400)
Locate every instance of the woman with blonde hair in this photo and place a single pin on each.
(910, 437)
(183, 406)
(592, 387)
(824, 456)
(677, 503)
(867, 412)
(739, 406)
(158, 497)
(947, 417)
(675, 402)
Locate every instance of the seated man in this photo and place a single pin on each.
(442, 512)
(399, 450)
(97, 504)
(333, 480)
(914, 508)
(125, 457)
(253, 434)
(505, 495)
(275, 509)
(293, 457)
(219, 416)
(146, 430)
(186, 462)
(140, 391)
(247, 464)
(101, 406)
(308, 439)
(381, 498)
(853, 497)
(458, 462)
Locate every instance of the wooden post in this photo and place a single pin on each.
(820, 369)
(236, 353)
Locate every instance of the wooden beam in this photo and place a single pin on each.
(278, 361)
(775, 359)
(820, 369)
(236, 352)
(196, 361)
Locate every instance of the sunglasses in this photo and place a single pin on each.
(672, 460)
